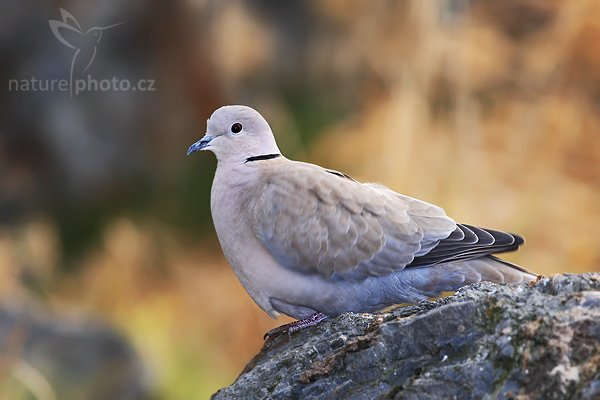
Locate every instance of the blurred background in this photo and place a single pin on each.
(112, 281)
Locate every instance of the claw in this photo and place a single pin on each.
(295, 326)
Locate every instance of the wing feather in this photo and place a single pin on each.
(314, 221)
(318, 221)
(475, 242)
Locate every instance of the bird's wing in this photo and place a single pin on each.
(65, 33)
(468, 242)
(320, 221)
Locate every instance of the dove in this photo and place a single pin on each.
(313, 243)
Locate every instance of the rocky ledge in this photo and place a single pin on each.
(539, 340)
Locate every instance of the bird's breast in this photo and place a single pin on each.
(232, 209)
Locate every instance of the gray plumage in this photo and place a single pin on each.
(303, 239)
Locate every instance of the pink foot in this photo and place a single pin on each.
(295, 326)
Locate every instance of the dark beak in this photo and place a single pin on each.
(200, 144)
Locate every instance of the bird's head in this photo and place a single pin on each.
(95, 33)
(236, 133)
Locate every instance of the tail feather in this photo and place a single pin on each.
(453, 275)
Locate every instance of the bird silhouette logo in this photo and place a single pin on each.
(85, 43)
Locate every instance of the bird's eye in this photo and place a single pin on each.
(236, 128)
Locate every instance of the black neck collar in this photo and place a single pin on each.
(262, 157)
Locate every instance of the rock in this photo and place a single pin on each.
(53, 357)
(538, 340)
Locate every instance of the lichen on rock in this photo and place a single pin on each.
(535, 340)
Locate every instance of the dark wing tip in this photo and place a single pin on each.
(519, 240)
(469, 242)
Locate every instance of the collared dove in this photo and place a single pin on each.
(312, 243)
